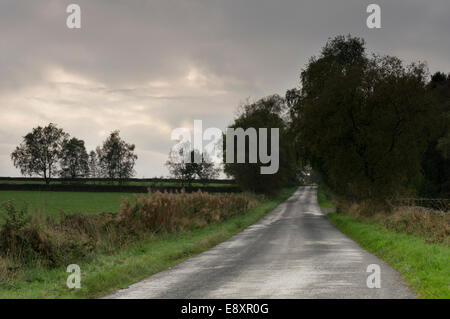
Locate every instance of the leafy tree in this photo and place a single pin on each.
(362, 121)
(116, 158)
(74, 159)
(94, 169)
(436, 161)
(184, 167)
(267, 113)
(40, 151)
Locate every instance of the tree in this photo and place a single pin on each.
(40, 151)
(74, 159)
(363, 121)
(94, 169)
(268, 113)
(184, 168)
(116, 158)
(436, 161)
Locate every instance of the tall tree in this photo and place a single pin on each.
(363, 120)
(74, 159)
(436, 161)
(116, 158)
(266, 113)
(40, 151)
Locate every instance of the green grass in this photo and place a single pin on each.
(130, 183)
(324, 199)
(106, 273)
(52, 203)
(425, 267)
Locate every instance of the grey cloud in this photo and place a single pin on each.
(240, 48)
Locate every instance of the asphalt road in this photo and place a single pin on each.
(294, 252)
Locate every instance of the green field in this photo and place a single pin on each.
(52, 203)
(130, 183)
(424, 266)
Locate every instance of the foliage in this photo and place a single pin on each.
(116, 158)
(363, 122)
(53, 242)
(74, 159)
(436, 160)
(324, 199)
(105, 273)
(40, 151)
(93, 164)
(424, 266)
(186, 169)
(267, 113)
(432, 225)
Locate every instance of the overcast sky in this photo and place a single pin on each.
(147, 67)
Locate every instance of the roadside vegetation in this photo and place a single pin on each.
(423, 265)
(431, 225)
(155, 232)
(413, 240)
(324, 199)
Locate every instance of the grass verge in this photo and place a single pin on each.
(424, 266)
(106, 273)
(324, 199)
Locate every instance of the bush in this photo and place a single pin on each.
(17, 238)
(432, 225)
(178, 211)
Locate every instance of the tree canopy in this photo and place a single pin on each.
(183, 166)
(362, 120)
(269, 112)
(74, 159)
(116, 158)
(40, 151)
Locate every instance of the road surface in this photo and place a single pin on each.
(294, 252)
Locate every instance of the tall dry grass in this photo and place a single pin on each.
(432, 225)
(35, 240)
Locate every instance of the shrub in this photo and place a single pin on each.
(178, 211)
(27, 240)
(432, 225)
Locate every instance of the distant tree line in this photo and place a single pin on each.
(49, 152)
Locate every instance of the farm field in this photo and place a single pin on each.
(129, 183)
(52, 203)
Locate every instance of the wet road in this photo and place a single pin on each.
(294, 252)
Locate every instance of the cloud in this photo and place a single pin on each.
(147, 67)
